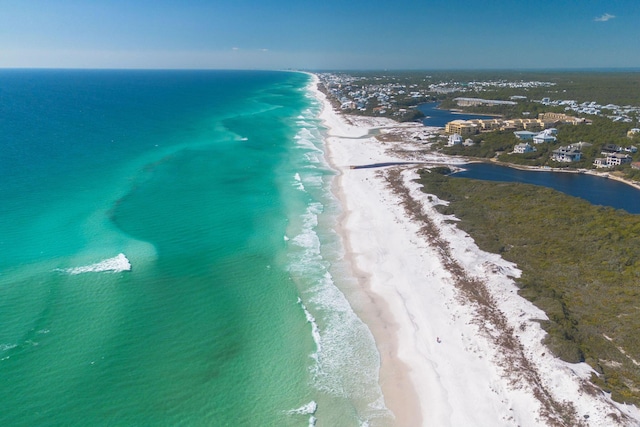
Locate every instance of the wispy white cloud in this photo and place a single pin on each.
(604, 18)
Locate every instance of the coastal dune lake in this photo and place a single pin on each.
(597, 190)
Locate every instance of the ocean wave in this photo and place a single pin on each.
(346, 362)
(116, 264)
(6, 347)
(299, 185)
(308, 409)
(315, 332)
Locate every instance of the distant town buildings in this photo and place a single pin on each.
(617, 113)
(474, 102)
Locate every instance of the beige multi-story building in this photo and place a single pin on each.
(470, 127)
(560, 117)
(461, 127)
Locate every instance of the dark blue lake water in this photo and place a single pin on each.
(435, 117)
(597, 190)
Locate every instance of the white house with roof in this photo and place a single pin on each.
(543, 138)
(523, 147)
(612, 160)
(525, 135)
(468, 142)
(455, 139)
(567, 154)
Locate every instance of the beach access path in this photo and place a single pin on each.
(458, 345)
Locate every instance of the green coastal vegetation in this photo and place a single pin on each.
(580, 264)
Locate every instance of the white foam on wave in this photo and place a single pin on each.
(308, 409)
(346, 360)
(116, 264)
(299, 185)
(308, 238)
(6, 347)
(305, 138)
(315, 332)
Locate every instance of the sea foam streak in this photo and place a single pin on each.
(116, 264)
(308, 409)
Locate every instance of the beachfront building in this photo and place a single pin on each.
(523, 147)
(461, 127)
(567, 154)
(612, 160)
(468, 142)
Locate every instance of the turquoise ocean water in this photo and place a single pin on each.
(167, 255)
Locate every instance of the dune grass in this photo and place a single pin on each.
(580, 264)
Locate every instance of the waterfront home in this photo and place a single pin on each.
(567, 154)
(468, 142)
(635, 165)
(612, 160)
(632, 149)
(523, 147)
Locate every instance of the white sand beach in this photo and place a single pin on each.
(458, 346)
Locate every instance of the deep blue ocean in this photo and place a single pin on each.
(167, 255)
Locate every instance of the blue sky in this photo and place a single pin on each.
(328, 34)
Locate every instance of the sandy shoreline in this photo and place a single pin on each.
(458, 346)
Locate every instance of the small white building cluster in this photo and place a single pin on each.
(546, 136)
(456, 139)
